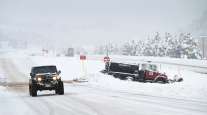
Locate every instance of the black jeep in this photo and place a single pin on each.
(45, 78)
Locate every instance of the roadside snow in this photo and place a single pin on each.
(193, 87)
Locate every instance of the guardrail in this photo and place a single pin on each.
(196, 68)
(168, 61)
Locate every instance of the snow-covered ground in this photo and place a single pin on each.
(103, 90)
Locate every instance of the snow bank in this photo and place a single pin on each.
(193, 87)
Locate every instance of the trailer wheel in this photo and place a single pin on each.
(161, 79)
(123, 77)
(142, 76)
(116, 75)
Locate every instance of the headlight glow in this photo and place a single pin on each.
(54, 77)
(39, 79)
(58, 77)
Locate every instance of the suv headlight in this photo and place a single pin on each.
(39, 79)
(56, 77)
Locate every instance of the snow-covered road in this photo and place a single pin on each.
(85, 99)
(99, 96)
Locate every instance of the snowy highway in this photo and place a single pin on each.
(96, 97)
(88, 100)
(103, 57)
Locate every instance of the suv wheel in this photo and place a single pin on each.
(60, 88)
(32, 90)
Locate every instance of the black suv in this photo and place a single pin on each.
(45, 78)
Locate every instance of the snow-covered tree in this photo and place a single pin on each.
(180, 46)
(130, 48)
(188, 46)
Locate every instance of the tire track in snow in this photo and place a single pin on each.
(15, 76)
(11, 71)
(178, 104)
(72, 105)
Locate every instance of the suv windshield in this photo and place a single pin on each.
(44, 69)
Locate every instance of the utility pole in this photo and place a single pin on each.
(107, 51)
(203, 47)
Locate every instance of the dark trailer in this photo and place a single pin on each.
(137, 72)
(122, 70)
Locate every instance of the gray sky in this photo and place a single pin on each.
(95, 21)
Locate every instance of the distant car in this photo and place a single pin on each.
(70, 52)
(45, 78)
(138, 72)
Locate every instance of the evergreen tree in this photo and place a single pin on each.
(173, 46)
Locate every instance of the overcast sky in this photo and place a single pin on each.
(95, 21)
